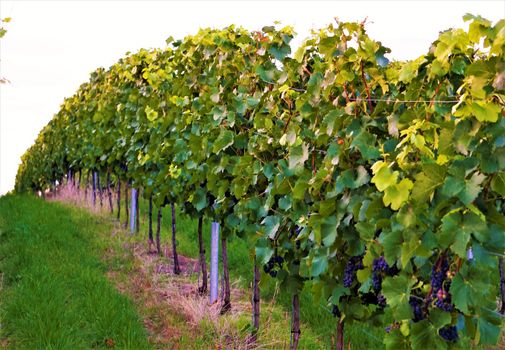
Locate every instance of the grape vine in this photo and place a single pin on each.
(377, 184)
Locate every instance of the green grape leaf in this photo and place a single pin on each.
(151, 114)
(286, 202)
(453, 186)
(329, 230)
(394, 340)
(439, 318)
(319, 265)
(408, 71)
(427, 182)
(498, 184)
(263, 251)
(396, 195)
(472, 188)
(390, 242)
(199, 199)
(279, 51)
(408, 250)
(297, 156)
(397, 291)
(485, 111)
(489, 327)
(425, 336)
(384, 177)
(365, 142)
(461, 292)
(223, 141)
(272, 224)
(301, 186)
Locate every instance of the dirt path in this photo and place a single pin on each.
(167, 301)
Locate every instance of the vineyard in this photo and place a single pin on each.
(377, 185)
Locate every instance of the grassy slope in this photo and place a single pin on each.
(55, 294)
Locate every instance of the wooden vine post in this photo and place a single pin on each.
(203, 264)
(177, 268)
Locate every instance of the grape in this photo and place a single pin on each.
(443, 298)
(376, 282)
(279, 260)
(393, 270)
(270, 265)
(369, 298)
(440, 287)
(443, 305)
(354, 264)
(438, 274)
(417, 306)
(381, 301)
(449, 333)
(380, 264)
(336, 311)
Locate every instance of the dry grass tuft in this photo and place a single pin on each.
(82, 197)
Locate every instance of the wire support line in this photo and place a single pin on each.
(402, 101)
(389, 100)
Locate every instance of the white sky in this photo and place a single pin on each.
(52, 46)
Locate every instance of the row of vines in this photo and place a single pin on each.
(377, 185)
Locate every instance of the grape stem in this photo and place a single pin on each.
(340, 334)
(502, 285)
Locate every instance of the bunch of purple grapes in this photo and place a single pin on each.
(440, 285)
(354, 264)
(449, 333)
(379, 265)
(439, 274)
(418, 308)
(271, 264)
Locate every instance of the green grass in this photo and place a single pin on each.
(55, 294)
(319, 325)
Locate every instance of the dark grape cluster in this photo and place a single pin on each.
(271, 264)
(439, 274)
(379, 267)
(376, 281)
(354, 264)
(418, 308)
(449, 333)
(336, 311)
(369, 298)
(381, 301)
(380, 264)
(440, 285)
